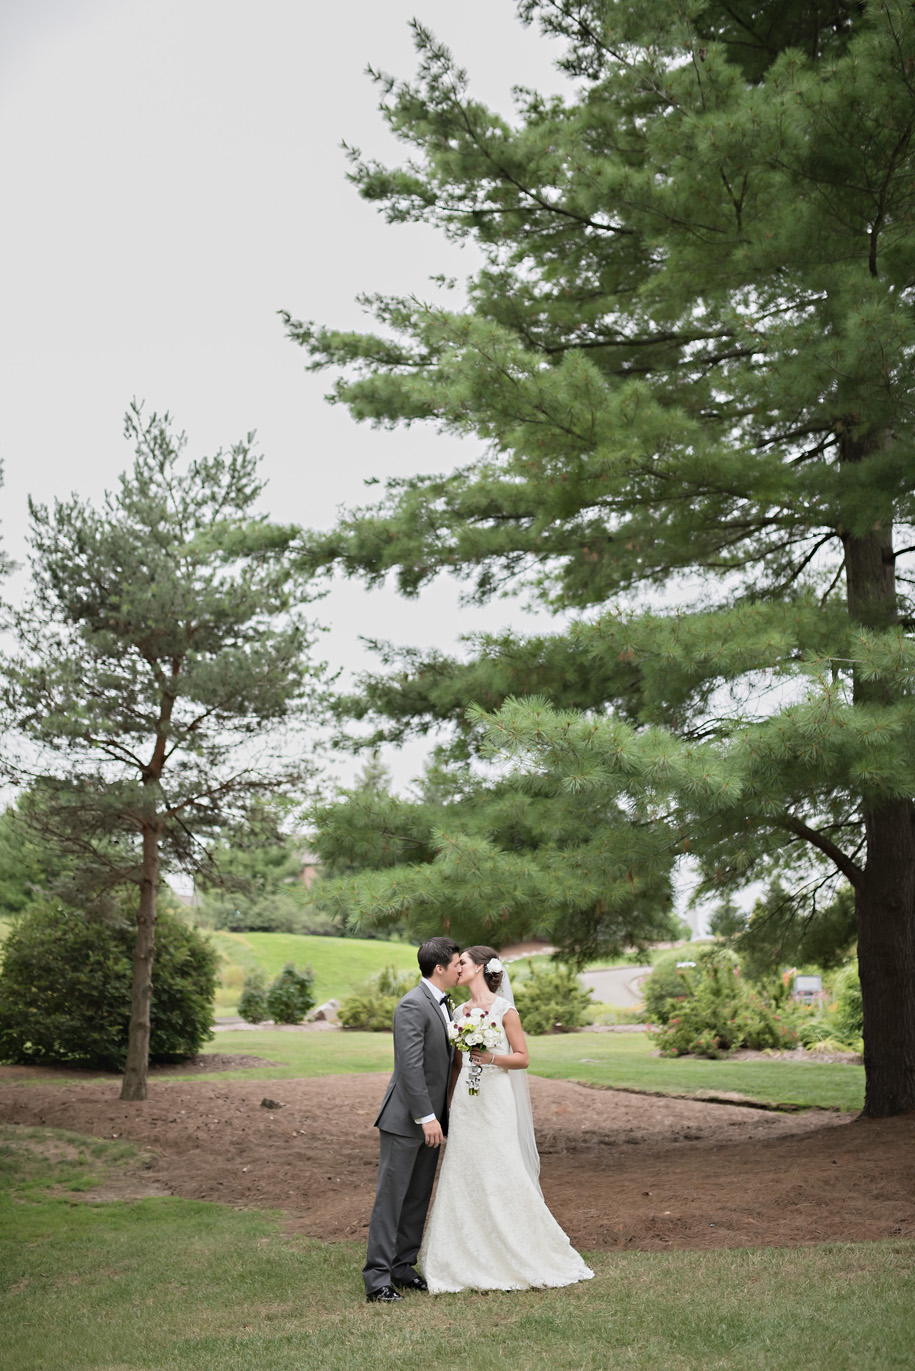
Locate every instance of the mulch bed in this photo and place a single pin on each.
(620, 1170)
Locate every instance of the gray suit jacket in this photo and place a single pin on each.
(422, 1065)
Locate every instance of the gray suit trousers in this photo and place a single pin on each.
(406, 1170)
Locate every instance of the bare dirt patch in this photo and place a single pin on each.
(213, 1061)
(795, 1054)
(105, 1177)
(619, 1170)
(133, 1184)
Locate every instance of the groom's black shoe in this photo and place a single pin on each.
(385, 1294)
(413, 1282)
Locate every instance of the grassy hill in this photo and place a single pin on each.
(339, 964)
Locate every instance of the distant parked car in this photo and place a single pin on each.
(808, 988)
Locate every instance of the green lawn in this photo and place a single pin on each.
(302, 1054)
(621, 1061)
(339, 964)
(164, 1284)
(624, 1061)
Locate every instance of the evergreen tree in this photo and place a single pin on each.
(775, 938)
(257, 880)
(163, 640)
(29, 867)
(492, 860)
(689, 357)
(727, 920)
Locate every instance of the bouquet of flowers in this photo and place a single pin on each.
(475, 1028)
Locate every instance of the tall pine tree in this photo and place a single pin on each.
(689, 354)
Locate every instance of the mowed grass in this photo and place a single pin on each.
(309, 1053)
(619, 1061)
(165, 1284)
(613, 1061)
(339, 964)
(297, 1054)
(626, 1061)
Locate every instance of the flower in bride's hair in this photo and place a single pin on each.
(493, 965)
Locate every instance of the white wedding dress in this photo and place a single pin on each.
(490, 1228)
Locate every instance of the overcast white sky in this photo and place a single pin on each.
(173, 176)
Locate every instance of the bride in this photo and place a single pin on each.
(491, 1168)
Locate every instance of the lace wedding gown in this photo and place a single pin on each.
(490, 1228)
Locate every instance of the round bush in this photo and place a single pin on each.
(370, 1007)
(669, 985)
(252, 1004)
(65, 987)
(550, 1000)
(289, 997)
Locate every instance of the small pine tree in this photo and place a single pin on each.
(728, 919)
(164, 628)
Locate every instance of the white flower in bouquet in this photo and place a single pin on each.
(476, 1028)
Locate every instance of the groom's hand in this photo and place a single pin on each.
(432, 1133)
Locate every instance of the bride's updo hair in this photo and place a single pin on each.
(481, 955)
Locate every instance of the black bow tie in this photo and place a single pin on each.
(447, 1001)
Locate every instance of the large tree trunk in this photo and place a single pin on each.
(885, 895)
(885, 906)
(137, 1068)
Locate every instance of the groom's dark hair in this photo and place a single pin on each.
(436, 952)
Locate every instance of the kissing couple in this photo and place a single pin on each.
(490, 1228)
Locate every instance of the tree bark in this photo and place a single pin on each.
(885, 907)
(137, 1067)
(885, 894)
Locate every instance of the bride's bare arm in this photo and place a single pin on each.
(518, 1058)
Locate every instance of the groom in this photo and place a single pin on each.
(412, 1123)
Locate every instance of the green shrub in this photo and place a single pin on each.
(672, 982)
(814, 1026)
(290, 995)
(252, 1003)
(848, 1015)
(390, 981)
(65, 988)
(370, 1006)
(837, 1024)
(723, 1013)
(550, 999)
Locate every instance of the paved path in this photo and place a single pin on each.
(618, 986)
